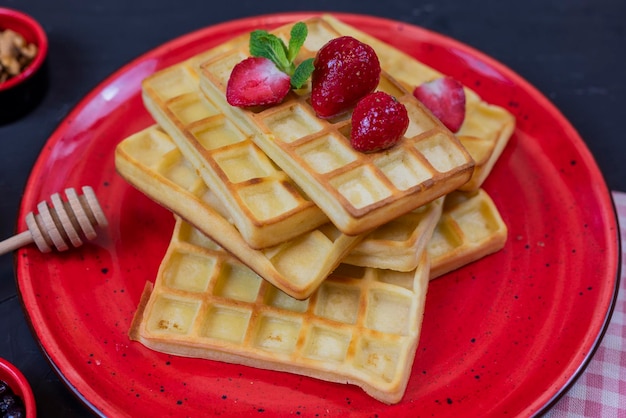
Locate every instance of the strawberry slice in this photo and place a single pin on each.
(445, 98)
(378, 122)
(256, 81)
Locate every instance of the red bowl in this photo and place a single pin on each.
(22, 93)
(32, 33)
(18, 383)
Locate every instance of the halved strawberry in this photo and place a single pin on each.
(256, 81)
(445, 98)
(346, 69)
(378, 122)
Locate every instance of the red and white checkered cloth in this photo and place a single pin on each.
(601, 390)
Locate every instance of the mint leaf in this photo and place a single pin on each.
(302, 73)
(299, 32)
(264, 44)
(267, 45)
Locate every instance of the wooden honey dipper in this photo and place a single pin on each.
(62, 224)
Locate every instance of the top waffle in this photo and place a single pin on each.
(357, 191)
(486, 129)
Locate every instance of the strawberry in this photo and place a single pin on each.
(256, 81)
(378, 122)
(445, 98)
(345, 70)
(267, 76)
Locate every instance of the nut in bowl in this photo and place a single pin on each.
(15, 393)
(23, 51)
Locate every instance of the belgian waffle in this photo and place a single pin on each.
(361, 326)
(150, 161)
(264, 204)
(464, 229)
(357, 191)
(487, 128)
(469, 228)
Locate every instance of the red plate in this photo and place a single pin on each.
(505, 335)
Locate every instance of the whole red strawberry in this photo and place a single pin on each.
(345, 71)
(445, 98)
(378, 122)
(256, 81)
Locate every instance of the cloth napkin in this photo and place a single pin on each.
(601, 390)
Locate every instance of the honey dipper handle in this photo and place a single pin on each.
(15, 242)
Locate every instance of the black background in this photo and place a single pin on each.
(573, 51)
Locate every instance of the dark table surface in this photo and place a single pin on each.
(572, 51)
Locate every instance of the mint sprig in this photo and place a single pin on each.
(267, 45)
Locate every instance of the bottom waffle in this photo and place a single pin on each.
(361, 326)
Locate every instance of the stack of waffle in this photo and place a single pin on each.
(291, 251)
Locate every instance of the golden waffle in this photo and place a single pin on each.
(265, 205)
(469, 228)
(464, 229)
(150, 161)
(398, 244)
(361, 326)
(357, 191)
(487, 128)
